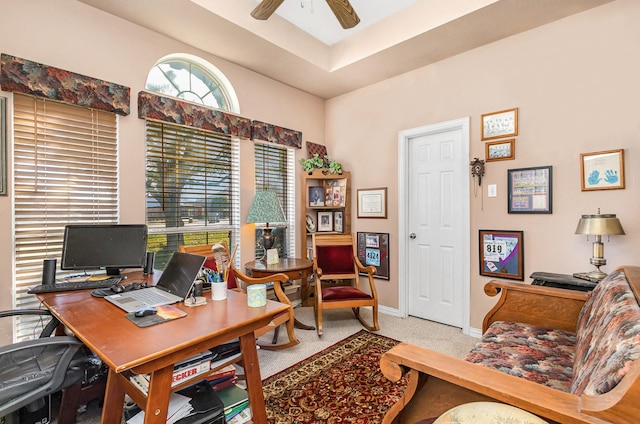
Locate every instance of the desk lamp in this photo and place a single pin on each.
(266, 209)
(598, 225)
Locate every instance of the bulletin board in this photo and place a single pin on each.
(373, 249)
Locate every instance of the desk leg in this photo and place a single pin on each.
(254, 382)
(113, 400)
(155, 412)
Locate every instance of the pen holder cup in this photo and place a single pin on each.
(219, 290)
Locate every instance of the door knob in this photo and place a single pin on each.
(412, 236)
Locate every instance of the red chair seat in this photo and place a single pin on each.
(343, 293)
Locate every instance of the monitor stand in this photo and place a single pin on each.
(114, 272)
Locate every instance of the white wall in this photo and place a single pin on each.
(576, 85)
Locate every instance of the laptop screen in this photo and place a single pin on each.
(180, 273)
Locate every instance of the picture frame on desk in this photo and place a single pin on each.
(325, 221)
(316, 196)
(337, 222)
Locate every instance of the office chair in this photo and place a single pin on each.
(335, 261)
(33, 369)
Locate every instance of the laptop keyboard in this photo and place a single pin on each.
(150, 296)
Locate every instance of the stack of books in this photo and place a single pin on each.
(193, 366)
(236, 404)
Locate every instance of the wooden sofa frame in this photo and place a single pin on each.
(438, 382)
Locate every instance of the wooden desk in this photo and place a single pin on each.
(125, 347)
(294, 268)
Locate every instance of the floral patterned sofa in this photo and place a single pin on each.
(563, 355)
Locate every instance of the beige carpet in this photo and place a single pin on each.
(337, 325)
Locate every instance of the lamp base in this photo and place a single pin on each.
(268, 240)
(594, 276)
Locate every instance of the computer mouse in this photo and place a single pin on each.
(117, 288)
(143, 312)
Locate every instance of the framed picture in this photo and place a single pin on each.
(499, 124)
(3, 146)
(502, 254)
(529, 190)
(602, 170)
(500, 150)
(373, 249)
(316, 196)
(325, 221)
(372, 203)
(337, 222)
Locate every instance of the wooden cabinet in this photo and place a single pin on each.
(325, 205)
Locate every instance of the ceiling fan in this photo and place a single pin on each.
(341, 8)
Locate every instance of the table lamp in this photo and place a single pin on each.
(598, 225)
(266, 209)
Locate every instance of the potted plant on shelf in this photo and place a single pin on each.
(327, 164)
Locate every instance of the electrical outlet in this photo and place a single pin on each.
(492, 190)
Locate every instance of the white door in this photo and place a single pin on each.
(438, 222)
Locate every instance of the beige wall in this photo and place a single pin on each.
(76, 37)
(575, 82)
(576, 85)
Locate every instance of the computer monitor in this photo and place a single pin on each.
(99, 246)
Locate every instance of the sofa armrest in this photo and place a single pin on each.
(432, 367)
(549, 307)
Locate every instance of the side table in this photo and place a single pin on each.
(564, 281)
(294, 268)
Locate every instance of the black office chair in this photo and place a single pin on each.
(33, 369)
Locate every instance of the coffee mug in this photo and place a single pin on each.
(219, 290)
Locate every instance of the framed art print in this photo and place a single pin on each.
(602, 170)
(373, 249)
(500, 150)
(337, 221)
(499, 124)
(372, 203)
(529, 190)
(502, 254)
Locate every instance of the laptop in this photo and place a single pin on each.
(174, 285)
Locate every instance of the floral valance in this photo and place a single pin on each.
(167, 109)
(275, 134)
(24, 76)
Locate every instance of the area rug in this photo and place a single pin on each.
(341, 384)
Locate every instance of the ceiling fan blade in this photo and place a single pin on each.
(266, 9)
(344, 13)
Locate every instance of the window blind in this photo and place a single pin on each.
(274, 170)
(65, 172)
(192, 188)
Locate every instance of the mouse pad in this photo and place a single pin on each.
(165, 313)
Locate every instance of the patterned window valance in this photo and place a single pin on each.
(168, 109)
(276, 134)
(24, 76)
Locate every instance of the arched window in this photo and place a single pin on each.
(192, 177)
(190, 78)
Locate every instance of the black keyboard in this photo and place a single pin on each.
(86, 285)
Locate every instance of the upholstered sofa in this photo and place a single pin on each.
(564, 355)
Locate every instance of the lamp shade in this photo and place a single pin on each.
(266, 208)
(600, 224)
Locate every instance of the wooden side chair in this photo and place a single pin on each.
(237, 280)
(335, 260)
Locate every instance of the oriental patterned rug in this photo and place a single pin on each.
(343, 383)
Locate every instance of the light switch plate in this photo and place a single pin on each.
(492, 190)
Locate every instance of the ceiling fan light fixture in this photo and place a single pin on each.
(342, 10)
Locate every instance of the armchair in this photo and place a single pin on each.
(239, 281)
(32, 369)
(335, 258)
